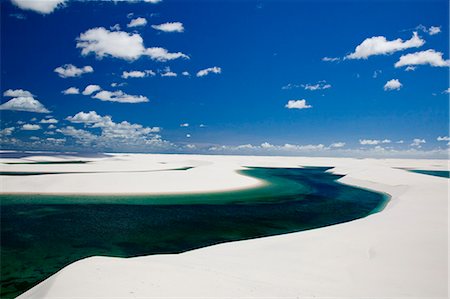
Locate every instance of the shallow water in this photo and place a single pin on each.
(439, 173)
(41, 234)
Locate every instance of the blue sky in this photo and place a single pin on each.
(328, 78)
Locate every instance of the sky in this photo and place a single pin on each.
(315, 78)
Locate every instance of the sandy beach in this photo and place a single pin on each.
(399, 252)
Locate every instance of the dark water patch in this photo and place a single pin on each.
(48, 162)
(40, 235)
(438, 173)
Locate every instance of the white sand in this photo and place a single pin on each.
(400, 252)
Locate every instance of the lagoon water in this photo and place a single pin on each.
(438, 173)
(40, 234)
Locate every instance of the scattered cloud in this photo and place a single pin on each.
(443, 138)
(376, 73)
(393, 84)
(71, 90)
(7, 131)
(432, 30)
(417, 142)
(169, 27)
(379, 45)
(161, 54)
(115, 27)
(184, 125)
(69, 70)
(42, 7)
(297, 104)
(137, 22)
(28, 104)
(430, 57)
(31, 127)
(318, 86)
(17, 93)
(153, 1)
(185, 73)
(188, 135)
(137, 74)
(373, 141)
(337, 144)
(410, 68)
(447, 91)
(205, 72)
(331, 59)
(119, 97)
(90, 89)
(48, 121)
(122, 45)
(168, 73)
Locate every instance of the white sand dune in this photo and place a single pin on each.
(397, 253)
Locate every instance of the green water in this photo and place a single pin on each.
(439, 173)
(42, 234)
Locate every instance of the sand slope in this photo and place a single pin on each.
(400, 252)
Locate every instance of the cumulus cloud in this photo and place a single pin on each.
(90, 89)
(369, 141)
(430, 57)
(7, 131)
(205, 72)
(48, 121)
(120, 97)
(137, 22)
(169, 27)
(137, 74)
(337, 144)
(168, 73)
(379, 45)
(184, 125)
(443, 138)
(447, 91)
(119, 44)
(393, 84)
(161, 54)
(69, 70)
(112, 134)
(71, 90)
(185, 73)
(42, 7)
(28, 104)
(297, 104)
(31, 127)
(432, 30)
(417, 142)
(17, 93)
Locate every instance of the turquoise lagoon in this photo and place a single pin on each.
(41, 234)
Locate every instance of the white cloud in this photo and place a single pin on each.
(168, 73)
(337, 144)
(417, 142)
(115, 27)
(434, 30)
(169, 27)
(185, 73)
(204, 72)
(49, 121)
(7, 131)
(379, 45)
(447, 91)
(39, 6)
(318, 86)
(120, 97)
(138, 74)
(376, 73)
(410, 68)
(69, 70)
(120, 44)
(400, 142)
(184, 125)
(71, 90)
(369, 141)
(152, 1)
(17, 93)
(331, 59)
(161, 54)
(31, 127)
(51, 126)
(430, 57)
(85, 117)
(90, 89)
(297, 104)
(188, 135)
(443, 138)
(82, 136)
(386, 141)
(28, 104)
(137, 22)
(393, 84)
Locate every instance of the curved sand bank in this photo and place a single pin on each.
(400, 252)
